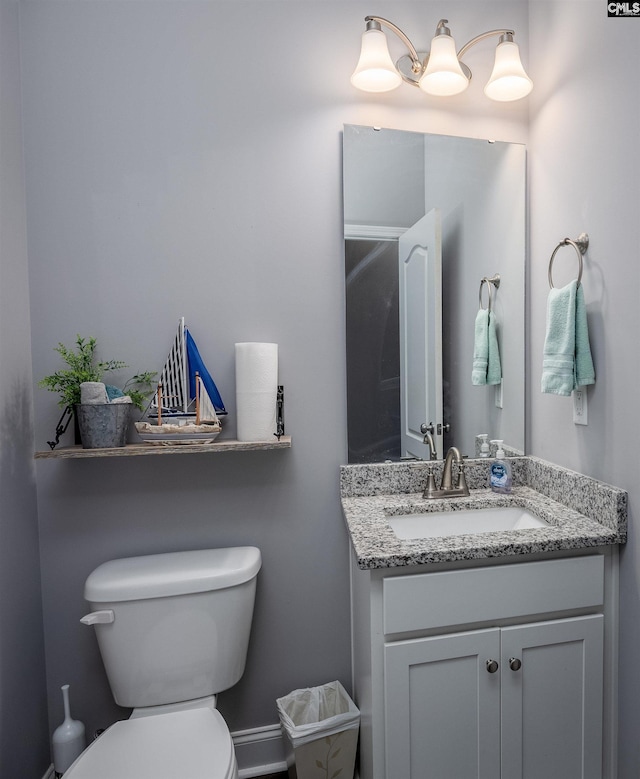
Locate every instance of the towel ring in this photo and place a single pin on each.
(580, 245)
(495, 280)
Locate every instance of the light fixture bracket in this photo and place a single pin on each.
(504, 34)
(405, 66)
(377, 22)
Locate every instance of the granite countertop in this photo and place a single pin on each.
(572, 521)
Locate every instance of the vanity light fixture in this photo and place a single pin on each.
(441, 71)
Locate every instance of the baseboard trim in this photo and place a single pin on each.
(259, 751)
(261, 770)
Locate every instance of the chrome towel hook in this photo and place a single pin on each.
(581, 245)
(492, 280)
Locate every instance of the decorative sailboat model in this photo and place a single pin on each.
(187, 406)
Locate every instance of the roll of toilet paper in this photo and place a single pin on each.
(256, 390)
(93, 392)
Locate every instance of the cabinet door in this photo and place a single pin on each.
(552, 703)
(442, 707)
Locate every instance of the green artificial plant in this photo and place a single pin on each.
(83, 367)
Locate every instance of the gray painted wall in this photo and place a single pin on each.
(165, 177)
(24, 747)
(585, 175)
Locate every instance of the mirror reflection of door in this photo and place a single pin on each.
(420, 313)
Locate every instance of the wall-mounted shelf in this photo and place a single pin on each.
(141, 450)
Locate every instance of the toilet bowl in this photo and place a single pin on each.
(173, 631)
(192, 744)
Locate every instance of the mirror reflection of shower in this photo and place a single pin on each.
(373, 356)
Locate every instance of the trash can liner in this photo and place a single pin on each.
(314, 712)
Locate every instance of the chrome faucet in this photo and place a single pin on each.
(447, 488)
(428, 430)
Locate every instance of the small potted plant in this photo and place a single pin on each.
(82, 368)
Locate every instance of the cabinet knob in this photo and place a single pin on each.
(492, 666)
(515, 664)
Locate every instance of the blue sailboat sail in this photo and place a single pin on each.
(196, 364)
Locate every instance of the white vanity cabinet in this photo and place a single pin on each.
(471, 713)
(496, 670)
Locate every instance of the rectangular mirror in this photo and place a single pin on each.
(426, 218)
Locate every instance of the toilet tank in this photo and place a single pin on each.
(173, 627)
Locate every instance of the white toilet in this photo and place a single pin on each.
(173, 630)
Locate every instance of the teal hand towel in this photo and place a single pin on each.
(494, 369)
(584, 371)
(567, 361)
(480, 348)
(486, 367)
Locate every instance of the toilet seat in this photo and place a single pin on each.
(194, 744)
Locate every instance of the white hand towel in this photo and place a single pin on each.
(93, 392)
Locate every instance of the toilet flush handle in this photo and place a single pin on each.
(98, 617)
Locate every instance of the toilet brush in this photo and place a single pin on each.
(68, 738)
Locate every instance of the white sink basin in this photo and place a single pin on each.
(433, 524)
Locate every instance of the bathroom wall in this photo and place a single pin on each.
(585, 176)
(184, 158)
(24, 743)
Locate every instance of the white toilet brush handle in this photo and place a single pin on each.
(68, 738)
(65, 701)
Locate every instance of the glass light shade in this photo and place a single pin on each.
(375, 71)
(508, 79)
(443, 75)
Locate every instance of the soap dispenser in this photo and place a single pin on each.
(500, 478)
(484, 445)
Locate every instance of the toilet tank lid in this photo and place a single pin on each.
(174, 573)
